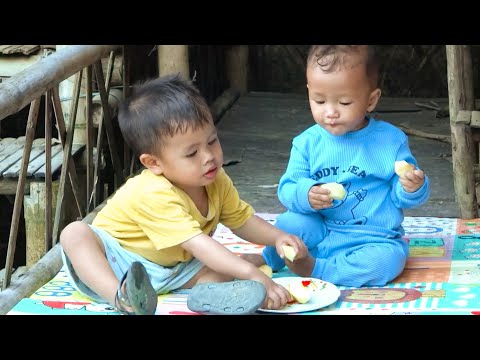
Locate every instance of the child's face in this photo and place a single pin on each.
(192, 159)
(339, 100)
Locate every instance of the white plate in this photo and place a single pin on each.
(323, 294)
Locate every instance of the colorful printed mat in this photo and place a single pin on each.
(442, 277)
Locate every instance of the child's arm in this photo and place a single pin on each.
(218, 258)
(412, 180)
(412, 188)
(295, 184)
(259, 231)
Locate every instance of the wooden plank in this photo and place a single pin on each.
(29, 49)
(5, 142)
(11, 148)
(38, 148)
(19, 49)
(11, 159)
(36, 164)
(12, 49)
(5, 49)
(57, 161)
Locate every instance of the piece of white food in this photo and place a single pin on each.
(337, 191)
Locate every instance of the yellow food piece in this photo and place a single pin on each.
(337, 191)
(289, 252)
(267, 270)
(402, 166)
(300, 292)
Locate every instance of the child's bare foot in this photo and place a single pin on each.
(302, 267)
(255, 259)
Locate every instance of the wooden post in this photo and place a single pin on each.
(461, 97)
(34, 206)
(236, 62)
(173, 59)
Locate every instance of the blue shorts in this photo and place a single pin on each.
(164, 279)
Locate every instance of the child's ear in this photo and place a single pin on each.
(152, 163)
(373, 99)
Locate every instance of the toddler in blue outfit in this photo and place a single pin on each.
(357, 240)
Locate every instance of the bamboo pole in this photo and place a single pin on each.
(223, 103)
(72, 171)
(40, 273)
(17, 207)
(48, 171)
(107, 122)
(67, 151)
(22, 88)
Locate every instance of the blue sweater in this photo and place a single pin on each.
(363, 162)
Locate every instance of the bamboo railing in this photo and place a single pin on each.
(42, 79)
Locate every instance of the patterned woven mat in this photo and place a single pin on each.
(442, 277)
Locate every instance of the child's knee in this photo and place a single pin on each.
(309, 227)
(73, 232)
(291, 222)
(390, 263)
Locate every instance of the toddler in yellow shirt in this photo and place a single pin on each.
(154, 235)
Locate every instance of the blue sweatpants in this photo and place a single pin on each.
(347, 259)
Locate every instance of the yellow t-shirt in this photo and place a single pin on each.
(150, 216)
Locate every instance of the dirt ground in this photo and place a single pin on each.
(256, 136)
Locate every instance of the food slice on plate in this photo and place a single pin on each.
(300, 291)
